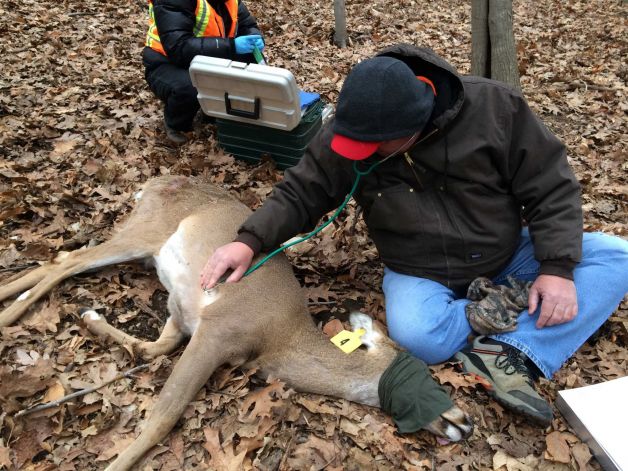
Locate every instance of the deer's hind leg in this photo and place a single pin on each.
(169, 339)
(19, 283)
(209, 348)
(45, 278)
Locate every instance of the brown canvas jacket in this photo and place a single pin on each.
(452, 208)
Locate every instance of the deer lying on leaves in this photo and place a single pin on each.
(261, 322)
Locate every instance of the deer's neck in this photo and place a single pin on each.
(311, 363)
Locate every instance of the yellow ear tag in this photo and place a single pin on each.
(347, 341)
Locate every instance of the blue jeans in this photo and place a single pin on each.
(429, 320)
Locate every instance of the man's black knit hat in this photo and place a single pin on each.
(381, 100)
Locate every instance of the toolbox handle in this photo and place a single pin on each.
(242, 113)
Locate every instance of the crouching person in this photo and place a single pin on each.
(178, 31)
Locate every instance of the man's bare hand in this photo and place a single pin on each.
(559, 301)
(236, 256)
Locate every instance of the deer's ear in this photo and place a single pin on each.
(359, 320)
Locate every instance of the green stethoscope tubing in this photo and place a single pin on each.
(358, 175)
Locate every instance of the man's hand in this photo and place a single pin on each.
(236, 256)
(560, 303)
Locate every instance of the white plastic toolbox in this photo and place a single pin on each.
(249, 93)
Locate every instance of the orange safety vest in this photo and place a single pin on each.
(208, 23)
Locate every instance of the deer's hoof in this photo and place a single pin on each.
(89, 315)
(453, 425)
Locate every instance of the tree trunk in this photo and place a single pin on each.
(480, 46)
(493, 50)
(340, 15)
(503, 51)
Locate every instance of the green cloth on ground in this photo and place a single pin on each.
(409, 394)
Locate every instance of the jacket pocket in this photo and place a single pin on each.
(406, 227)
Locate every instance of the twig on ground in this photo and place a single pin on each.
(148, 310)
(286, 453)
(224, 393)
(19, 267)
(82, 392)
(581, 84)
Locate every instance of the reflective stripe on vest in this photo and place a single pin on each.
(152, 36)
(207, 23)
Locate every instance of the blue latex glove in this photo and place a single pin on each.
(245, 44)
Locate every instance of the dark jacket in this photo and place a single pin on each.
(175, 22)
(452, 208)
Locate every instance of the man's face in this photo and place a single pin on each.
(396, 146)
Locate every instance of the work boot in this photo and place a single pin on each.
(510, 375)
(495, 308)
(176, 137)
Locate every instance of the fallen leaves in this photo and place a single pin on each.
(558, 447)
(222, 457)
(36, 376)
(445, 374)
(79, 131)
(259, 404)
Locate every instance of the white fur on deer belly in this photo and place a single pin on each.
(181, 282)
(172, 266)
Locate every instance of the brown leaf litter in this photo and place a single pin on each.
(79, 133)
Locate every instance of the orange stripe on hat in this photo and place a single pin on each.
(428, 81)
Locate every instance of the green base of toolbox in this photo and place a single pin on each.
(253, 143)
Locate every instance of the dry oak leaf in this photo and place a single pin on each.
(106, 444)
(32, 441)
(221, 458)
(510, 444)
(457, 380)
(260, 403)
(503, 462)
(255, 438)
(581, 454)
(320, 293)
(5, 458)
(315, 453)
(333, 327)
(46, 318)
(177, 447)
(8, 256)
(65, 144)
(316, 406)
(54, 392)
(25, 383)
(557, 448)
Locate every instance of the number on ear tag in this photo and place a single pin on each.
(348, 341)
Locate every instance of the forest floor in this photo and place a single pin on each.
(80, 132)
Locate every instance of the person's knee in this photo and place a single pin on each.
(619, 249)
(607, 249)
(430, 346)
(185, 95)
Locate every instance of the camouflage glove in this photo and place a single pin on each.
(495, 308)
